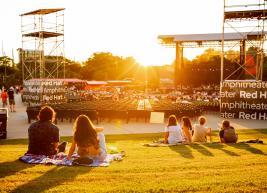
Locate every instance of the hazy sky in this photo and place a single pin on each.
(122, 27)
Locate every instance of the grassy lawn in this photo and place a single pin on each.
(184, 168)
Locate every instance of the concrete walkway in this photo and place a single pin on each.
(18, 124)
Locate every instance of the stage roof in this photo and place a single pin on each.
(205, 38)
(75, 80)
(43, 11)
(43, 34)
(93, 82)
(246, 14)
(119, 82)
(211, 37)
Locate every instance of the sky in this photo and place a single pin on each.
(122, 27)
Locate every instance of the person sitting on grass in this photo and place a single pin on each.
(187, 129)
(200, 131)
(227, 133)
(88, 139)
(44, 135)
(173, 132)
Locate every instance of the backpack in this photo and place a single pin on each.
(229, 135)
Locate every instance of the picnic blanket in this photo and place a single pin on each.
(60, 160)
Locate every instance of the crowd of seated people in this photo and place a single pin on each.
(185, 102)
(206, 93)
(175, 132)
(179, 96)
(89, 141)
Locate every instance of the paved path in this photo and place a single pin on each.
(17, 124)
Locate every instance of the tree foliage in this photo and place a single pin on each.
(203, 69)
(106, 66)
(206, 68)
(72, 69)
(9, 73)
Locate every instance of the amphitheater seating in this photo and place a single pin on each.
(32, 113)
(208, 106)
(124, 109)
(138, 114)
(111, 114)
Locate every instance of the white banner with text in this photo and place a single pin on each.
(44, 91)
(244, 99)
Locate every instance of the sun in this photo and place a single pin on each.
(146, 64)
(155, 57)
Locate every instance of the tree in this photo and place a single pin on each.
(106, 66)
(9, 74)
(72, 69)
(204, 69)
(6, 61)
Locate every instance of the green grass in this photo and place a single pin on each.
(185, 168)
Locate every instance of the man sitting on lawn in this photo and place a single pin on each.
(44, 135)
(200, 131)
(227, 133)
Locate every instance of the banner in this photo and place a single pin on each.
(43, 91)
(244, 100)
(157, 117)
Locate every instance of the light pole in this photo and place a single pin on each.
(4, 63)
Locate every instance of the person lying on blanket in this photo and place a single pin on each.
(44, 135)
(88, 139)
(173, 132)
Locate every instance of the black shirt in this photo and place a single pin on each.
(221, 133)
(42, 136)
(10, 94)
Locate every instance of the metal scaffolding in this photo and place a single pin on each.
(244, 16)
(42, 52)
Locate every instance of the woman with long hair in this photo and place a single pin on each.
(173, 132)
(187, 129)
(88, 141)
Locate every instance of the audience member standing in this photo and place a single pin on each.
(4, 98)
(200, 131)
(11, 99)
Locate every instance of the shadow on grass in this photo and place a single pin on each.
(109, 138)
(246, 147)
(11, 168)
(52, 178)
(138, 136)
(220, 147)
(201, 149)
(262, 131)
(14, 142)
(183, 150)
(254, 131)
